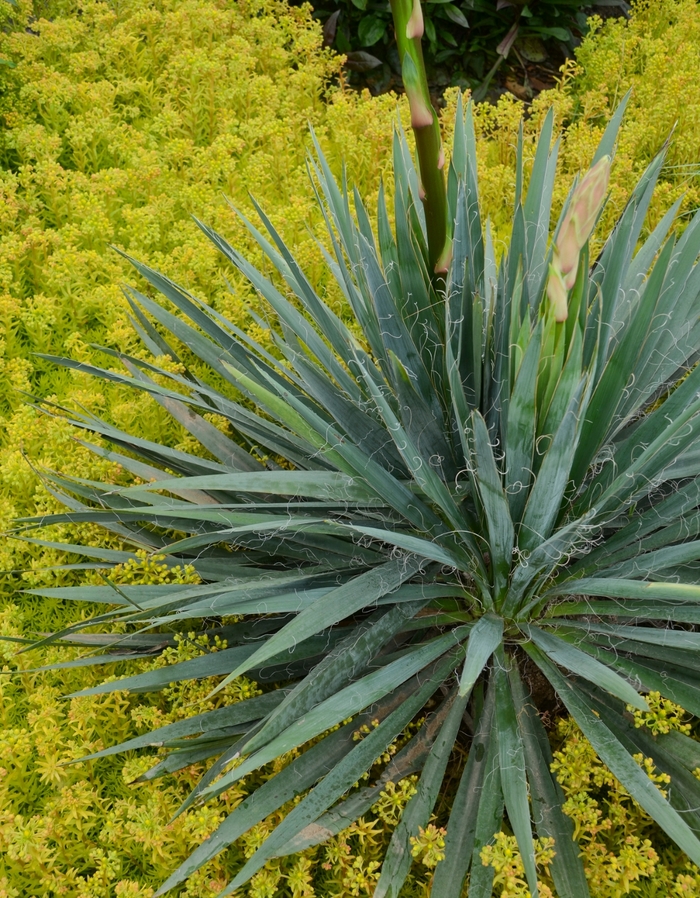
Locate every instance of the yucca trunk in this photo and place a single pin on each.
(408, 25)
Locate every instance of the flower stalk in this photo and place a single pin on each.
(408, 25)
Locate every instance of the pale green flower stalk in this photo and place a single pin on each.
(408, 25)
(574, 233)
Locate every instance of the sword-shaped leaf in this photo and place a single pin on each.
(345, 703)
(331, 608)
(513, 775)
(417, 812)
(484, 639)
(347, 772)
(619, 761)
(547, 798)
(579, 662)
(461, 828)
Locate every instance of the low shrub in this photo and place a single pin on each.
(461, 37)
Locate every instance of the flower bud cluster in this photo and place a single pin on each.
(576, 228)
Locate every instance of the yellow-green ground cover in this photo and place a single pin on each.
(118, 122)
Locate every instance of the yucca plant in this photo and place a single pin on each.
(477, 505)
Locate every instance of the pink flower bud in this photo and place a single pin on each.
(575, 230)
(580, 219)
(557, 291)
(567, 250)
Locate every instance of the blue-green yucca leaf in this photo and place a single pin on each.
(521, 427)
(537, 210)
(564, 387)
(664, 638)
(110, 658)
(298, 776)
(658, 525)
(620, 762)
(210, 721)
(268, 602)
(168, 597)
(462, 825)
(487, 804)
(424, 422)
(648, 470)
(333, 607)
(209, 664)
(395, 334)
(547, 798)
(410, 758)
(346, 702)
(223, 449)
(487, 480)
(609, 270)
(430, 550)
(336, 201)
(177, 460)
(387, 243)
(417, 297)
(328, 485)
(667, 611)
(421, 467)
(632, 647)
(672, 334)
(642, 433)
(420, 806)
(545, 499)
(606, 147)
(316, 432)
(685, 797)
(678, 683)
(512, 764)
(464, 327)
(622, 362)
(484, 639)
(214, 344)
(348, 771)
(655, 564)
(343, 454)
(584, 665)
(629, 589)
(302, 327)
(463, 178)
(340, 666)
(409, 511)
(407, 185)
(370, 435)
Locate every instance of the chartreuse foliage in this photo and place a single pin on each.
(455, 496)
(113, 134)
(170, 152)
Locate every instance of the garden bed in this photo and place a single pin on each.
(118, 125)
